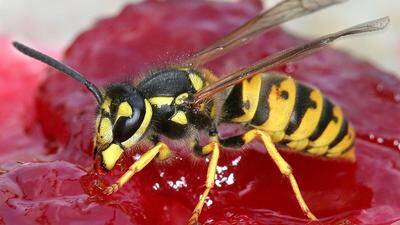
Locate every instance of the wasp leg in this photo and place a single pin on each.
(213, 149)
(283, 166)
(161, 150)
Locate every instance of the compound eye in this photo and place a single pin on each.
(125, 127)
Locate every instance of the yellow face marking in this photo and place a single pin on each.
(181, 98)
(111, 155)
(250, 94)
(106, 105)
(345, 143)
(160, 101)
(280, 109)
(104, 133)
(179, 117)
(143, 127)
(124, 109)
(309, 122)
(197, 82)
(332, 130)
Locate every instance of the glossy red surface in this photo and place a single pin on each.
(58, 185)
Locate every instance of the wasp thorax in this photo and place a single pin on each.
(123, 118)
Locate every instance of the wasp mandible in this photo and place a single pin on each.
(273, 108)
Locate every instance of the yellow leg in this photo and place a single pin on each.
(161, 150)
(283, 166)
(212, 148)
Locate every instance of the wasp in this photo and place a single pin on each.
(180, 101)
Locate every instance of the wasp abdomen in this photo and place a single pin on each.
(294, 114)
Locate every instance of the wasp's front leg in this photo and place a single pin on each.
(160, 150)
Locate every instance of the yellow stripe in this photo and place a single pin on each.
(350, 155)
(197, 82)
(159, 101)
(346, 142)
(318, 150)
(276, 136)
(181, 98)
(179, 117)
(209, 76)
(213, 113)
(187, 69)
(143, 127)
(280, 109)
(309, 122)
(298, 145)
(250, 94)
(331, 130)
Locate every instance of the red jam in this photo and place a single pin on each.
(57, 184)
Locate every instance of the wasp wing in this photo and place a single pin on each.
(282, 12)
(286, 56)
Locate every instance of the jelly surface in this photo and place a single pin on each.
(49, 131)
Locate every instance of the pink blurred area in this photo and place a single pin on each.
(17, 86)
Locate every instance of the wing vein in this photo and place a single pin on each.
(287, 56)
(280, 13)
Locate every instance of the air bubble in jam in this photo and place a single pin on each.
(61, 187)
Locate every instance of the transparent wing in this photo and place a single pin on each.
(286, 56)
(282, 12)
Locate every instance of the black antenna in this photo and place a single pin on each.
(60, 67)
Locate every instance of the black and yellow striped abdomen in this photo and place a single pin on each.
(294, 114)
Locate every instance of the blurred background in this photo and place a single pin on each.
(54, 24)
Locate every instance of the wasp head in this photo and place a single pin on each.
(122, 119)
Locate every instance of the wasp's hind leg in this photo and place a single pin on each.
(283, 166)
(213, 149)
(160, 150)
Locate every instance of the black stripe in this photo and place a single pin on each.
(232, 107)
(347, 149)
(342, 133)
(302, 103)
(344, 151)
(262, 113)
(284, 142)
(160, 83)
(198, 74)
(326, 117)
(232, 142)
